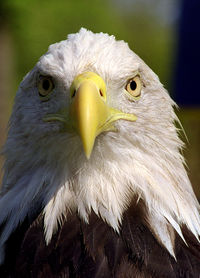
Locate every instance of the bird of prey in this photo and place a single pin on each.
(94, 180)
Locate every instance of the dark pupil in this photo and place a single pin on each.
(46, 85)
(133, 85)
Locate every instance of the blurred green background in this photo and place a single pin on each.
(28, 27)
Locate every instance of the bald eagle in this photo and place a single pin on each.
(94, 181)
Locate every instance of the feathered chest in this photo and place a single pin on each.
(94, 249)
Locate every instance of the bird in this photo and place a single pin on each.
(95, 182)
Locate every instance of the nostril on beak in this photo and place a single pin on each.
(100, 92)
(74, 93)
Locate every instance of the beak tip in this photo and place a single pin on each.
(87, 156)
(88, 144)
(88, 153)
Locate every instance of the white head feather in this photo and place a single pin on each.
(143, 160)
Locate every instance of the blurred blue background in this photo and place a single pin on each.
(165, 34)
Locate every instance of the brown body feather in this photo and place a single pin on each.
(95, 250)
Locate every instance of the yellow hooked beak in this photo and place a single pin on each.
(89, 113)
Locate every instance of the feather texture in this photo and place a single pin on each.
(79, 249)
(128, 209)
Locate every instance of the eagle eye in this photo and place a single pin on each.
(45, 86)
(133, 87)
